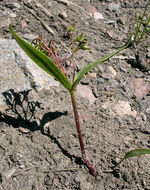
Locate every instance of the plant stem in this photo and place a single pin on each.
(80, 134)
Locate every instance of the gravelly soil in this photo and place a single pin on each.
(41, 151)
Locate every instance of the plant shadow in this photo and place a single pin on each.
(21, 112)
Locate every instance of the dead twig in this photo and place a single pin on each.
(14, 175)
(64, 170)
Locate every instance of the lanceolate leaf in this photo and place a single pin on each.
(88, 67)
(136, 152)
(42, 61)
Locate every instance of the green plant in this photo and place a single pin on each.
(46, 58)
(138, 26)
(132, 153)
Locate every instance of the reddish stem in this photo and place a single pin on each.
(80, 134)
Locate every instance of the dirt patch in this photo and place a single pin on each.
(39, 146)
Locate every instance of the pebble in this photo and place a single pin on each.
(139, 75)
(23, 23)
(122, 20)
(5, 23)
(95, 13)
(114, 7)
(63, 15)
(91, 76)
(17, 5)
(13, 15)
(112, 71)
(119, 108)
(139, 88)
(23, 130)
(98, 16)
(110, 33)
(85, 92)
(100, 80)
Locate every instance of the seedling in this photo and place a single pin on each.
(46, 58)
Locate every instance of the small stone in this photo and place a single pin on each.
(91, 76)
(94, 12)
(105, 76)
(23, 130)
(100, 80)
(17, 5)
(110, 33)
(139, 75)
(98, 16)
(5, 23)
(128, 140)
(63, 15)
(119, 108)
(122, 20)
(13, 15)
(23, 23)
(85, 92)
(114, 7)
(139, 88)
(123, 108)
(112, 71)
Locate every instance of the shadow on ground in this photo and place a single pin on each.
(23, 114)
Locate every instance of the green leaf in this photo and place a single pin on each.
(136, 152)
(42, 60)
(79, 38)
(88, 67)
(70, 28)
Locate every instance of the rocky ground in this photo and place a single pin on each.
(39, 146)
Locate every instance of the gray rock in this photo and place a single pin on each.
(100, 80)
(18, 72)
(29, 37)
(114, 7)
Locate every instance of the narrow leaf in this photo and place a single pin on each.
(42, 60)
(136, 152)
(88, 67)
